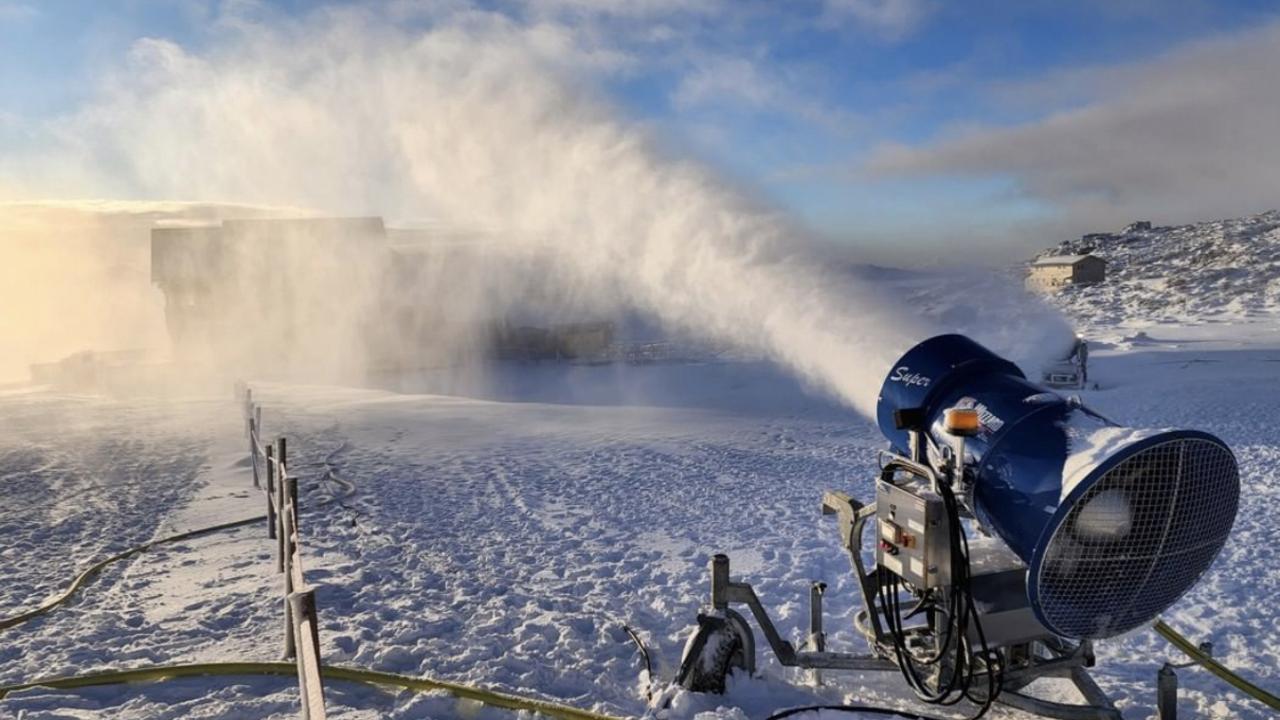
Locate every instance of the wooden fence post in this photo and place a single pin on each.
(310, 682)
(293, 500)
(271, 489)
(290, 644)
(281, 529)
(253, 449)
(282, 512)
(1167, 693)
(304, 606)
(248, 407)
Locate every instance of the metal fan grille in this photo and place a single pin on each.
(1156, 522)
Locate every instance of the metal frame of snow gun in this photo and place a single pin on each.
(725, 592)
(724, 642)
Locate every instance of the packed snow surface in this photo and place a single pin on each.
(506, 542)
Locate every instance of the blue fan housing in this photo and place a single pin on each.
(1114, 524)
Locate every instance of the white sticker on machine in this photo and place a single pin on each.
(892, 563)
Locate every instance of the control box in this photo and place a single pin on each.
(912, 537)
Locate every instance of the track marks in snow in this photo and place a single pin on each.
(514, 560)
(506, 544)
(83, 483)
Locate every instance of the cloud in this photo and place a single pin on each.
(740, 79)
(624, 8)
(745, 83)
(1189, 135)
(890, 19)
(628, 27)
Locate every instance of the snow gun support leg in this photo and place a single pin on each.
(724, 592)
(723, 641)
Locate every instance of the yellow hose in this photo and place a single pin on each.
(1215, 667)
(491, 697)
(84, 577)
(283, 669)
(330, 672)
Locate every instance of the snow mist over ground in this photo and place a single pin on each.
(480, 124)
(988, 305)
(76, 276)
(56, 267)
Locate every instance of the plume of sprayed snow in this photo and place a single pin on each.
(473, 123)
(481, 123)
(991, 307)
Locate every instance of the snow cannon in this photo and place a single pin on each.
(1012, 528)
(1114, 524)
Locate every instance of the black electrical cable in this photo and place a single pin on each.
(890, 587)
(956, 658)
(865, 709)
(644, 653)
(992, 659)
(969, 613)
(956, 625)
(993, 665)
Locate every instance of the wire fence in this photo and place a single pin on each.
(271, 475)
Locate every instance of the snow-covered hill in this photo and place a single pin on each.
(1208, 272)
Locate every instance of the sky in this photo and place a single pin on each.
(914, 130)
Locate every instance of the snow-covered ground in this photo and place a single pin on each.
(506, 542)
